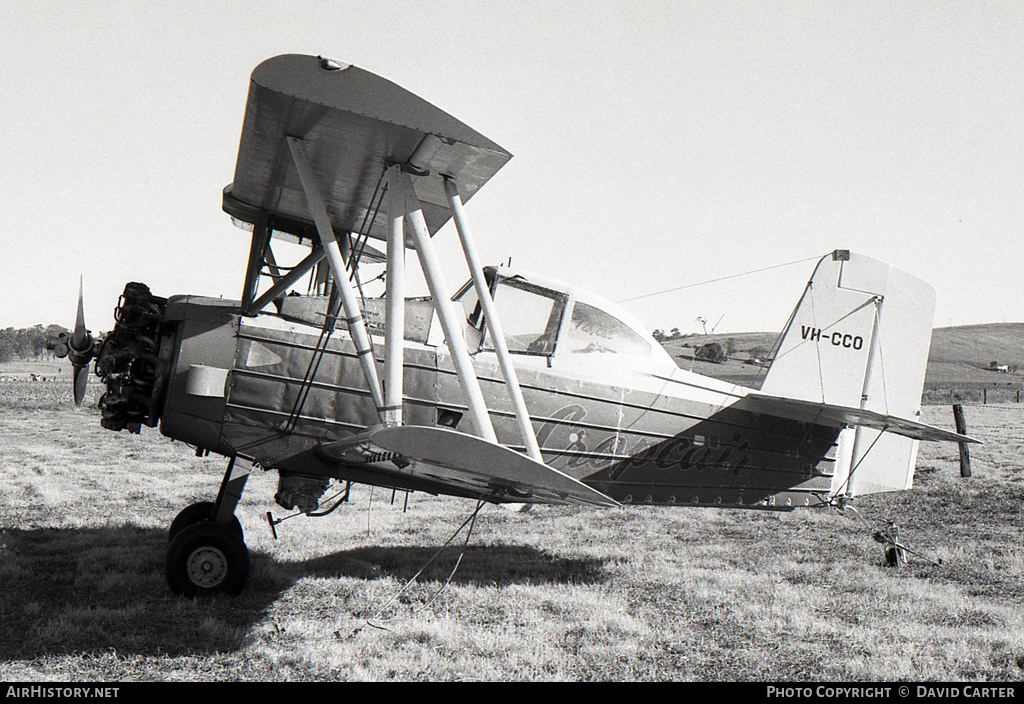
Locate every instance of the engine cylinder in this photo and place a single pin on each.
(130, 364)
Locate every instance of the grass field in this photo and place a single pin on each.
(553, 594)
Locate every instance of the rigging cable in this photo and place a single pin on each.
(722, 278)
(471, 521)
(330, 320)
(890, 536)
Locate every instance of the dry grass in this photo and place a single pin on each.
(555, 594)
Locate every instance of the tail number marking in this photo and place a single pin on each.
(838, 339)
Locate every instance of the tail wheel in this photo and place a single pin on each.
(198, 513)
(895, 556)
(205, 559)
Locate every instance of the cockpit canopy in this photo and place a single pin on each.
(542, 319)
(546, 318)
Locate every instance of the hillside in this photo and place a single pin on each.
(736, 369)
(965, 353)
(959, 356)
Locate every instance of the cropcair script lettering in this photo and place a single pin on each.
(679, 453)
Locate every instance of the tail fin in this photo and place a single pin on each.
(859, 337)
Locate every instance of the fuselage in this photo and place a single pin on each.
(617, 414)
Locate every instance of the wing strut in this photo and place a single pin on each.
(285, 282)
(860, 434)
(353, 315)
(400, 190)
(394, 311)
(441, 296)
(483, 293)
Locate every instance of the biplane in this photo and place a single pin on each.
(513, 388)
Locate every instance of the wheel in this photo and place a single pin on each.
(205, 559)
(895, 557)
(197, 513)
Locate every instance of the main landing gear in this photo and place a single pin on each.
(206, 552)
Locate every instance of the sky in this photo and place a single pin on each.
(657, 144)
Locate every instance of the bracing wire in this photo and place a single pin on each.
(881, 359)
(889, 536)
(817, 348)
(375, 620)
(369, 507)
(330, 319)
(722, 278)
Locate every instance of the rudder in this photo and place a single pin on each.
(859, 337)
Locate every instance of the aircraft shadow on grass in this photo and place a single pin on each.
(101, 590)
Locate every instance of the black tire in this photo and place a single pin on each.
(894, 557)
(198, 513)
(206, 559)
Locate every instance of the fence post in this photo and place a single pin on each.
(961, 427)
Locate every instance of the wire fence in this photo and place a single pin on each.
(972, 393)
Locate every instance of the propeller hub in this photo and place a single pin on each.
(79, 346)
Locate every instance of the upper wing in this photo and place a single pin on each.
(798, 409)
(473, 466)
(354, 124)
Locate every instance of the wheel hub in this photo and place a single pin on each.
(207, 566)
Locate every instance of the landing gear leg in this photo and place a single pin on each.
(206, 554)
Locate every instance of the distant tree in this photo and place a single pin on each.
(26, 343)
(6, 345)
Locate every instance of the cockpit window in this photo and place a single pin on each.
(471, 304)
(593, 330)
(530, 315)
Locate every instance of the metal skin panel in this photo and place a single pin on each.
(346, 119)
(205, 336)
(266, 384)
(312, 310)
(733, 458)
(637, 446)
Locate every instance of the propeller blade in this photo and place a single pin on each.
(79, 337)
(81, 381)
(79, 348)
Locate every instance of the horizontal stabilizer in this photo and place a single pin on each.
(798, 409)
(450, 457)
